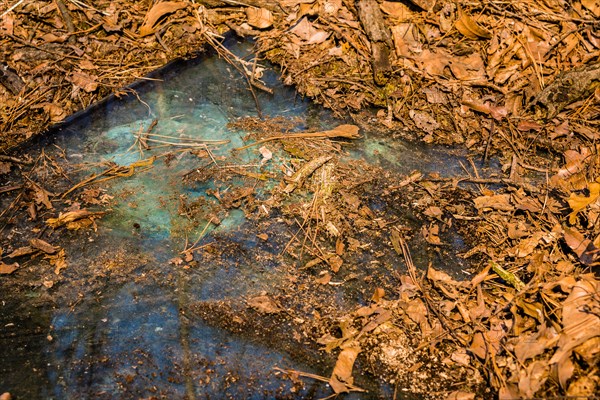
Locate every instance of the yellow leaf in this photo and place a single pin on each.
(579, 203)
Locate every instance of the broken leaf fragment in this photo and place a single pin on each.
(469, 28)
(158, 11)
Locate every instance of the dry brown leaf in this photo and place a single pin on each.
(158, 11)
(4, 168)
(324, 279)
(593, 6)
(260, 18)
(84, 81)
(43, 246)
(584, 248)
(431, 234)
(478, 346)
(58, 261)
(264, 304)
(532, 378)
(73, 216)
(460, 395)
(308, 33)
(469, 28)
(22, 251)
(406, 42)
(423, 120)
(41, 195)
(396, 9)
(579, 203)
(342, 372)
(378, 295)
(526, 246)
(499, 202)
(7, 269)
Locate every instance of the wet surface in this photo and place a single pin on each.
(119, 321)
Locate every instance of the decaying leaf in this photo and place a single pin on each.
(579, 203)
(499, 202)
(58, 261)
(304, 172)
(260, 18)
(264, 304)
(341, 377)
(43, 246)
(469, 28)
(72, 217)
(7, 269)
(158, 11)
(85, 81)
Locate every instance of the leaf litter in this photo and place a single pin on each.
(487, 76)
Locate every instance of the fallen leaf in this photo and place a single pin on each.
(469, 28)
(459, 395)
(260, 18)
(72, 216)
(579, 203)
(378, 295)
(22, 251)
(264, 304)
(86, 82)
(158, 11)
(500, 202)
(342, 372)
(6, 269)
(43, 246)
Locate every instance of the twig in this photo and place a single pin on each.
(316, 377)
(14, 160)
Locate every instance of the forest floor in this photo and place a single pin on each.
(519, 81)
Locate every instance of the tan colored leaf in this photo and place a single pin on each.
(499, 202)
(378, 295)
(579, 203)
(264, 304)
(43, 246)
(335, 262)
(593, 6)
(460, 395)
(397, 10)
(478, 346)
(526, 246)
(158, 11)
(342, 372)
(6, 269)
(260, 18)
(469, 28)
(84, 81)
(71, 216)
(532, 378)
(22, 251)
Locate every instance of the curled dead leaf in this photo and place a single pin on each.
(469, 28)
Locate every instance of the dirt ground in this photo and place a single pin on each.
(518, 81)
